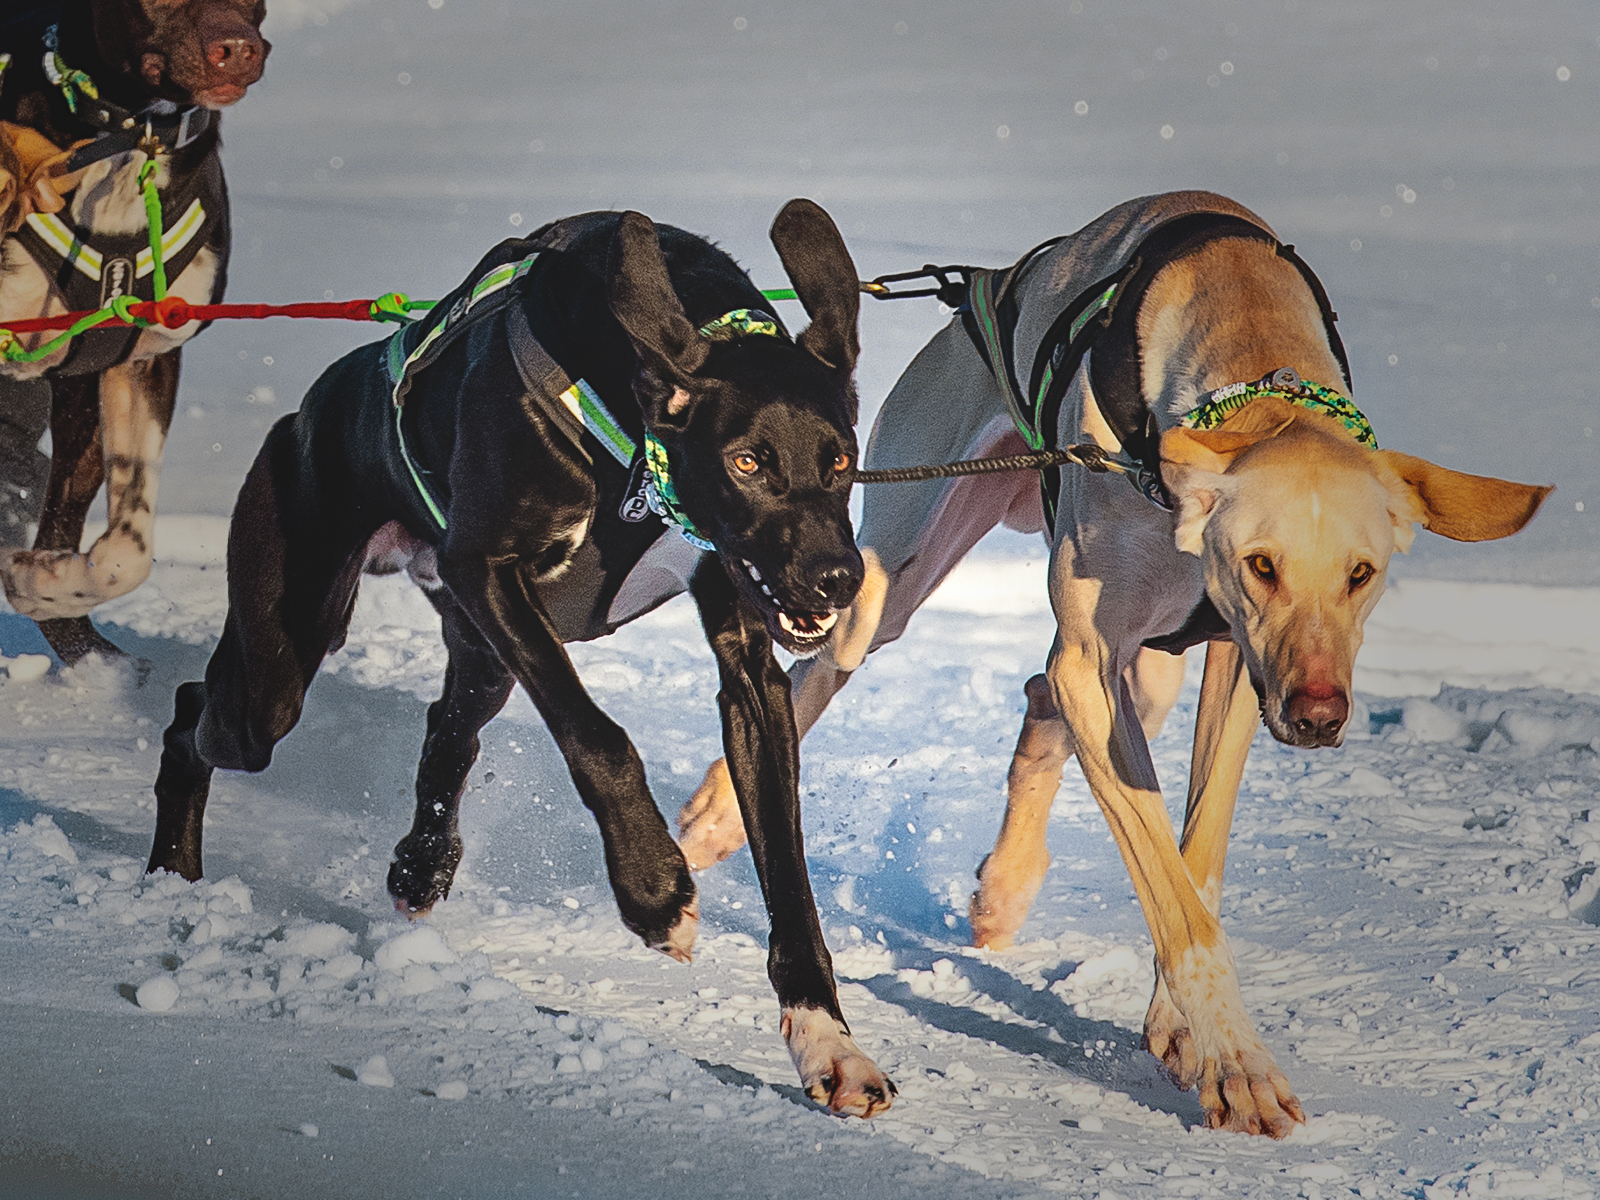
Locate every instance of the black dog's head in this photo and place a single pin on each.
(759, 429)
(205, 52)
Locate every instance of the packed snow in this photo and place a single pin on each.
(1416, 915)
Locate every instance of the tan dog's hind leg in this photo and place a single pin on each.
(1011, 875)
(710, 826)
(135, 409)
(1240, 1085)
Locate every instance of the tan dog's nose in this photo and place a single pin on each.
(1316, 713)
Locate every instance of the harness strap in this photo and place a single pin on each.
(120, 129)
(1102, 317)
(574, 406)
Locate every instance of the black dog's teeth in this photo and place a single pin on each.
(806, 627)
(755, 576)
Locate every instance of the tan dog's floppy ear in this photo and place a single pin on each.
(1467, 508)
(1195, 462)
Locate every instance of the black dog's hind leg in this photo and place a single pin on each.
(291, 588)
(476, 686)
(763, 756)
(649, 876)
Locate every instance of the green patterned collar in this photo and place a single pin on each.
(661, 495)
(1285, 384)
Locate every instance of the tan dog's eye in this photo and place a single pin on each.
(1360, 576)
(841, 464)
(746, 463)
(1263, 568)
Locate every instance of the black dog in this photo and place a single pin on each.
(94, 88)
(462, 450)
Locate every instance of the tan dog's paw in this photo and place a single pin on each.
(679, 942)
(1000, 905)
(1241, 1088)
(1245, 1092)
(833, 1070)
(46, 584)
(710, 825)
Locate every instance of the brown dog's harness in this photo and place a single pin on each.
(91, 269)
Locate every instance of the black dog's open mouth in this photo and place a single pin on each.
(798, 632)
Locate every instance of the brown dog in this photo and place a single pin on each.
(92, 89)
(1283, 517)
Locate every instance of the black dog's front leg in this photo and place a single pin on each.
(649, 877)
(763, 756)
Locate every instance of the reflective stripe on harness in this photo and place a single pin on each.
(542, 377)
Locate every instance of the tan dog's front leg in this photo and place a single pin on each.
(1225, 724)
(1240, 1085)
(136, 402)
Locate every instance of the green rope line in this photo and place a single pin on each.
(152, 212)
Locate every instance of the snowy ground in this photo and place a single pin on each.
(1415, 914)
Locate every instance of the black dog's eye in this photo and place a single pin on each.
(1361, 576)
(1263, 568)
(841, 464)
(746, 463)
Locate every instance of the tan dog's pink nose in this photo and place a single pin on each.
(1316, 713)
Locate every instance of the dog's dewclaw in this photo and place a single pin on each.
(710, 826)
(833, 1070)
(679, 942)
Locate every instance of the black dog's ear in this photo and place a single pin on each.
(670, 349)
(824, 279)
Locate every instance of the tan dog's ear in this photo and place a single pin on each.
(1467, 508)
(1195, 462)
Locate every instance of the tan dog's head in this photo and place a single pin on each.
(1295, 523)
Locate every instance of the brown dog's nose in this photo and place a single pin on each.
(236, 55)
(1316, 713)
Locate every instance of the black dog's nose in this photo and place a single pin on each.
(837, 586)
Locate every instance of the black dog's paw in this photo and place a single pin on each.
(667, 916)
(423, 869)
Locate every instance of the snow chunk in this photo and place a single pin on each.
(375, 1072)
(25, 668)
(416, 946)
(158, 994)
(323, 941)
(456, 1089)
(49, 841)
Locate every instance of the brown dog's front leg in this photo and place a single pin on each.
(762, 749)
(125, 426)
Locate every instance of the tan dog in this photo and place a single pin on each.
(1282, 527)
